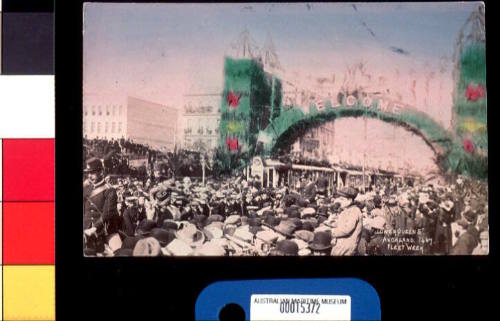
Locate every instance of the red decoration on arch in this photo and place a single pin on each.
(474, 92)
(233, 100)
(232, 143)
(469, 146)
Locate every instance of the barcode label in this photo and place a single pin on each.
(284, 307)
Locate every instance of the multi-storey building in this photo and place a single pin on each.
(136, 119)
(201, 118)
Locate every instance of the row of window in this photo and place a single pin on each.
(96, 127)
(99, 110)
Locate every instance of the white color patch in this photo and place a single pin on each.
(27, 107)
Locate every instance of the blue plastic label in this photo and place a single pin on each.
(292, 299)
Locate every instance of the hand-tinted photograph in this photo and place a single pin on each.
(323, 129)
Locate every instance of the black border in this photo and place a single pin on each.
(166, 288)
(27, 6)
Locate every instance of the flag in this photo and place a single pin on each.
(233, 99)
(474, 92)
(232, 143)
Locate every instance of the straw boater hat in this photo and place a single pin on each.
(210, 249)
(178, 248)
(213, 231)
(267, 236)
(308, 212)
(242, 233)
(304, 235)
(233, 219)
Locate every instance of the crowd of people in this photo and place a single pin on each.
(102, 147)
(233, 216)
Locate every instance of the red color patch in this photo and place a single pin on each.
(233, 100)
(28, 233)
(232, 143)
(469, 146)
(474, 92)
(28, 169)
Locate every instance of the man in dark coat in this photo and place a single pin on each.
(466, 242)
(322, 185)
(133, 215)
(310, 191)
(100, 213)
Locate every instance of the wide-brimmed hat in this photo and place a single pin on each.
(243, 234)
(129, 242)
(178, 248)
(145, 226)
(271, 221)
(213, 231)
(254, 225)
(304, 235)
(348, 192)
(233, 219)
(297, 222)
(169, 224)
(93, 165)
(308, 225)
(123, 252)
(268, 236)
(163, 236)
(215, 218)
(343, 202)
(199, 220)
(190, 235)
(321, 241)
(229, 229)
(210, 249)
(293, 213)
(307, 212)
(286, 228)
(285, 248)
(148, 246)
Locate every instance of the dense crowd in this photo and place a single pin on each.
(233, 216)
(101, 147)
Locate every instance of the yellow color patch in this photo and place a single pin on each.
(29, 292)
(234, 127)
(472, 125)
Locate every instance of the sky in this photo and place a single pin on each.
(163, 51)
(160, 52)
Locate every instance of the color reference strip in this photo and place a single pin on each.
(27, 132)
(27, 197)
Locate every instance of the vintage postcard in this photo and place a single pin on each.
(301, 129)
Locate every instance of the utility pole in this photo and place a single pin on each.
(203, 163)
(364, 151)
